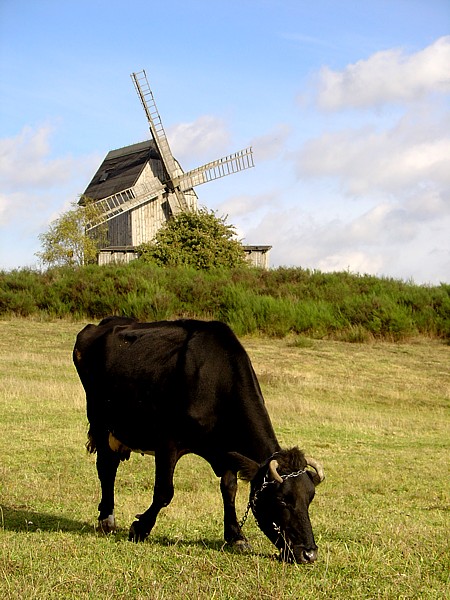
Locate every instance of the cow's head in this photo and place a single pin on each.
(282, 489)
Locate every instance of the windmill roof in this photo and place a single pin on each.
(120, 169)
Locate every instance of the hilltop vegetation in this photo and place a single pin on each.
(278, 302)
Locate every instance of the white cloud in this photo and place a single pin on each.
(411, 152)
(203, 140)
(391, 175)
(353, 261)
(272, 144)
(388, 239)
(387, 76)
(246, 205)
(34, 184)
(26, 163)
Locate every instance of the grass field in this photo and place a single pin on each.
(376, 415)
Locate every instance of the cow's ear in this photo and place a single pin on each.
(246, 468)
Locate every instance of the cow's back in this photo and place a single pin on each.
(146, 381)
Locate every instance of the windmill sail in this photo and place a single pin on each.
(177, 200)
(154, 120)
(218, 168)
(116, 204)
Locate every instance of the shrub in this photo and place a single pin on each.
(197, 239)
(277, 302)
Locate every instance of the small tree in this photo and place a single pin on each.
(197, 239)
(66, 242)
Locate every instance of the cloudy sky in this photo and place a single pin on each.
(346, 104)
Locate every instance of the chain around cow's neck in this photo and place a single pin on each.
(266, 482)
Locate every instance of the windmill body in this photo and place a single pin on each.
(139, 187)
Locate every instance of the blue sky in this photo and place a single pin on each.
(346, 104)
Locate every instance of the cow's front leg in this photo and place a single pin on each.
(232, 532)
(165, 462)
(107, 464)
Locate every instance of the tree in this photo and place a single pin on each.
(66, 241)
(197, 239)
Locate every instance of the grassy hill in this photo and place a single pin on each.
(278, 302)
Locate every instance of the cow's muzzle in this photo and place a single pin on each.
(298, 555)
(308, 556)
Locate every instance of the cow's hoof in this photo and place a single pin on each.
(137, 534)
(241, 546)
(107, 525)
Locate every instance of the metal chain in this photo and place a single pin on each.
(265, 484)
(244, 518)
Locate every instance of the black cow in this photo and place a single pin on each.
(176, 387)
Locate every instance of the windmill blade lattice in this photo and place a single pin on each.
(123, 201)
(154, 120)
(218, 168)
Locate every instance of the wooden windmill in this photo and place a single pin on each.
(137, 188)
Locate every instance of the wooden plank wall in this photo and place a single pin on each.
(141, 224)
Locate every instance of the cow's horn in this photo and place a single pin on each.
(312, 462)
(273, 466)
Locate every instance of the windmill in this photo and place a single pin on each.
(138, 188)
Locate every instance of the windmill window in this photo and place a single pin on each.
(104, 176)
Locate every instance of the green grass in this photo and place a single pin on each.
(276, 303)
(376, 415)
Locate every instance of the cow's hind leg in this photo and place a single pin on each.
(232, 532)
(165, 462)
(107, 464)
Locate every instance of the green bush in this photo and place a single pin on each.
(195, 239)
(276, 302)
